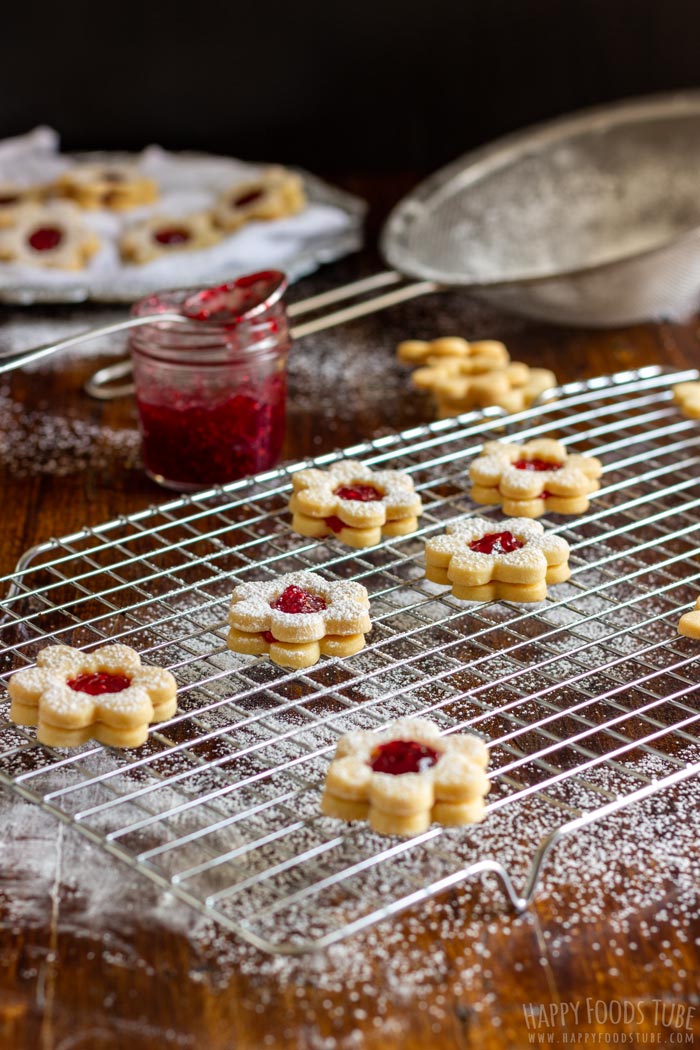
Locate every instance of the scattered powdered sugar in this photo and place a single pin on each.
(46, 442)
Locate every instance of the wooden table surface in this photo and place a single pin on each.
(93, 957)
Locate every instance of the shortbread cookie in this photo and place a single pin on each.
(51, 235)
(406, 777)
(356, 504)
(116, 187)
(689, 623)
(106, 695)
(527, 480)
(298, 617)
(483, 356)
(687, 397)
(12, 200)
(456, 388)
(275, 195)
(511, 560)
(161, 236)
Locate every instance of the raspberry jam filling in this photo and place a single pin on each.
(97, 682)
(45, 238)
(537, 464)
(246, 198)
(171, 235)
(8, 198)
(191, 440)
(269, 637)
(496, 543)
(403, 756)
(335, 524)
(359, 492)
(295, 599)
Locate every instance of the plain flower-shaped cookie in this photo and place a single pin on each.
(297, 617)
(687, 397)
(355, 503)
(689, 623)
(485, 561)
(407, 776)
(106, 695)
(527, 480)
(482, 356)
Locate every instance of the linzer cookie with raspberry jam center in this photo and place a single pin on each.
(406, 777)
(354, 503)
(512, 560)
(532, 479)
(297, 618)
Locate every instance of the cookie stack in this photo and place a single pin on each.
(463, 376)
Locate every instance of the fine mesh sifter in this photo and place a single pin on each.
(592, 219)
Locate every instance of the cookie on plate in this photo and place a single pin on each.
(276, 194)
(51, 235)
(116, 187)
(159, 237)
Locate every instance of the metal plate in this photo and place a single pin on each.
(588, 699)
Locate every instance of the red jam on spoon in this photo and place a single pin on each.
(537, 464)
(97, 682)
(403, 756)
(171, 236)
(496, 543)
(45, 238)
(295, 599)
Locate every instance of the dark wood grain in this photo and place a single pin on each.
(126, 977)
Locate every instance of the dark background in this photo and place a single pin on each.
(389, 85)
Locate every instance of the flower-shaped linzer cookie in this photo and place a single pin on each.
(689, 623)
(116, 187)
(276, 194)
(51, 235)
(297, 617)
(527, 480)
(511, 560)
(160, 236)
(476, 358)
(356, 504)
(687, 397)
(407, 776)
(106, 695)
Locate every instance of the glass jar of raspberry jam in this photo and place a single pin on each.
(211, 390)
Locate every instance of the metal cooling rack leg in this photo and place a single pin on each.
(549, 841)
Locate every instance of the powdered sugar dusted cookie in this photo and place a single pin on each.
(298, 617)
(355, 503)
(106, 695)
(116, 187)
(51, 235)
(276, 194)
(160, 236)
(689, 623)
(687, 397)
(12, 199)
(406, 776)
(527, 480)
(484, 561)
(476, 358)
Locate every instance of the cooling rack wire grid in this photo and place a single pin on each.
(588, 700)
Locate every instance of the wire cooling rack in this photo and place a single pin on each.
(221, 805)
